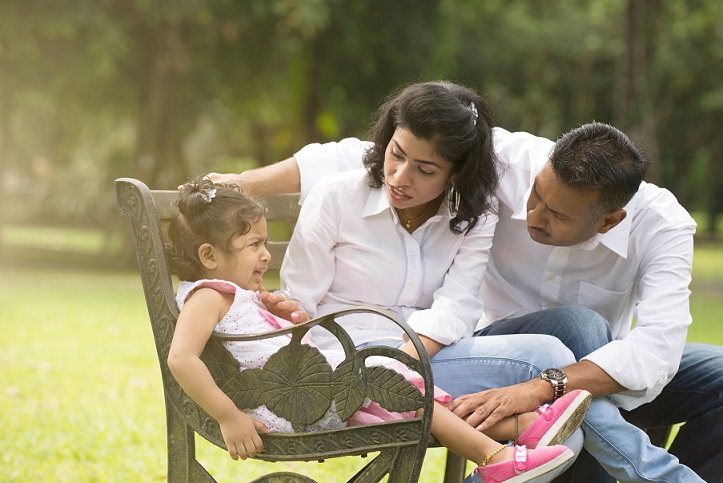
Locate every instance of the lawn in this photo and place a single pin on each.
(80, 393)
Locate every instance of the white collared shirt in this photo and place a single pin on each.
(349, 249)
(636, 275)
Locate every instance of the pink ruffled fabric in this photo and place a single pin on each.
(372, 412)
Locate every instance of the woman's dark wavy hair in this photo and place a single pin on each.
(440, 112)
(599, 157)
(203, 218)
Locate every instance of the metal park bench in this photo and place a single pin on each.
(311, 388)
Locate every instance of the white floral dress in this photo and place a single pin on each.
(248, 315)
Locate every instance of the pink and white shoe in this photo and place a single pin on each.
(557, 421)
(527, 465)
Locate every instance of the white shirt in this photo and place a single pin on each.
(636, 275)
(349, 249)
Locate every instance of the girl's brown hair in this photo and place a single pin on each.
(207, 213)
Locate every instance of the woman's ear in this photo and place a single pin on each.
(208, 255)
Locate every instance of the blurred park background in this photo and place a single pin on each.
(92, 90)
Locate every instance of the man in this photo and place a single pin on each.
(578, 227)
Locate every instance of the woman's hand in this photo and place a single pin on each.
(240, 179)
(280, 307)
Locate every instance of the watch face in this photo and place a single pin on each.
(554, 374)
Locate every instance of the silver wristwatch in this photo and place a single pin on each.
(557, 379)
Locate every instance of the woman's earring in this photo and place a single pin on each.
(453, 201)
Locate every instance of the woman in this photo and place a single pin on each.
(411, 232)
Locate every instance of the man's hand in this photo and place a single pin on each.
(280, 307)
(484, 409)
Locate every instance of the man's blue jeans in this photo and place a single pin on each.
(694, 395)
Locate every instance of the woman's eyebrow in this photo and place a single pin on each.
(422, 161)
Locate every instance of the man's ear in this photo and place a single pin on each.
(611, 220)
(207, 255)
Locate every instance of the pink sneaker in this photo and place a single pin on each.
(557, 421)
(526, 465)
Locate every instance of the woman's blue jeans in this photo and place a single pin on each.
(695, 395)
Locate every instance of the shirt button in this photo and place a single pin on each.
(552, 276)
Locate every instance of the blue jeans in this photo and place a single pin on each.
(694, 396)
(476, 364)
(624, 451)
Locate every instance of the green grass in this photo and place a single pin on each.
(58, 238)
(80, 391)
(708, 262)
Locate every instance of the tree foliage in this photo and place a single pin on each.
(96, 89)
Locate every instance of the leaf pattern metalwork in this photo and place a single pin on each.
(349, 387)
(297, 384)
(246, 388)
(392, 391)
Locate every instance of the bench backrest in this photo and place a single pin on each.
(402, 444)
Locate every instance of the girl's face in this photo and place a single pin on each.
(249, 259)
(415, 174)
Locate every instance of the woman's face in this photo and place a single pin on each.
(415, 174)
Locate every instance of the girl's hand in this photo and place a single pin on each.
(241, 435)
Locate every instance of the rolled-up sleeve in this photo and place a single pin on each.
(648, 357)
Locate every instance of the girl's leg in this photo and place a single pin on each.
(497, 462)
(548, 425)
(508, 429)
(463, 439)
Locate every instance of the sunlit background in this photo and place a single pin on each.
(93, 90)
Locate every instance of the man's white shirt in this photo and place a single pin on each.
(636, 275)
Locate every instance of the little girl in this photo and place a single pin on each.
(218, 249)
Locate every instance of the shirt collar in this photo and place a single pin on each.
(615, 240)
(377, 202)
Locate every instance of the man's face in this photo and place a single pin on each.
(562, 216)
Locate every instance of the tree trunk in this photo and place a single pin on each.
(634, 112)
(715, 188)
(158, 145)
(4, 129)
(312, 103)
